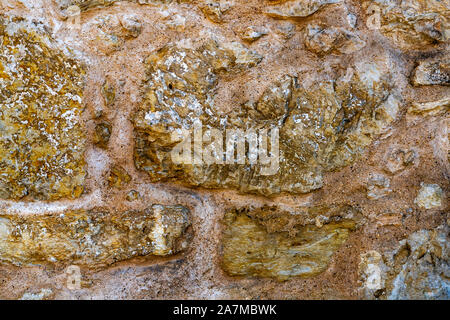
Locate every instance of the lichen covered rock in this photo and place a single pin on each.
(92, 238)
(265, 244)
(42, 140)
(322, 126)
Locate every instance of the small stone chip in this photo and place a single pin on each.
(429, 197)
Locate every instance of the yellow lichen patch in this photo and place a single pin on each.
(41, 140)
(93, 238)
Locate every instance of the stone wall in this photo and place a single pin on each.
(95, 97)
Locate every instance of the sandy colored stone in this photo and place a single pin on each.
(344, 117)
(215, 10)
(92, 238)
(251, 249)
(102, 134)
(252, 33)
(433, 108)
(325, 40)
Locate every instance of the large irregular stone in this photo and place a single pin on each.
(85, 5)
(271, 244)
(322, 126)
(297, 8)
(434, 72)
(414, 24)
(92, 238)
(41, 138)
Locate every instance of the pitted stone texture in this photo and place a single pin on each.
(271, 244)
(93, 238)
(42, 140)
(322, 126)
(414, 24)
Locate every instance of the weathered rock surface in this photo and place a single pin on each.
(322, 126)
(414, 24)
(436, 72)
(430, 196)
(98, 101)
(270, 244)
(92, 238)
(433, 108)
(42, 139)
(417, 269)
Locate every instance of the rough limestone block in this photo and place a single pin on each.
(42, 140)
(322, 126)
(257, 245)
(93, 238)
